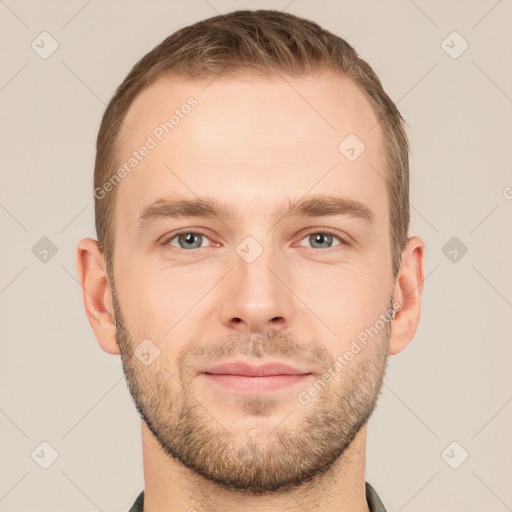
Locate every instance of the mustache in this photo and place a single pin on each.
(269, 344)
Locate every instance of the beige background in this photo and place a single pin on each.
(453, 382)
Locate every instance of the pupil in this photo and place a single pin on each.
(321, 238)
(188, 239)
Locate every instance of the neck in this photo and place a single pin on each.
(170, 487)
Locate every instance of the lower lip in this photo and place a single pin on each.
(256, 384)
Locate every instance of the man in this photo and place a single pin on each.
(253, 268)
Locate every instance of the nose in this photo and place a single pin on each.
(255, 297)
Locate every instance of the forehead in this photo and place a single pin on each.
(250, 140)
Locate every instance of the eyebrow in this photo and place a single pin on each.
(318, 205)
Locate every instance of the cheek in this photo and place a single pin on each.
(156, 302)
(347, 299)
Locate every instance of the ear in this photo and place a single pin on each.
(96, 294)
(407, 293)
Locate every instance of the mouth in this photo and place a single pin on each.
(245, 378)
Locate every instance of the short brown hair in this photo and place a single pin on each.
(259, 42)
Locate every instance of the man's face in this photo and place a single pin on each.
(256, 286)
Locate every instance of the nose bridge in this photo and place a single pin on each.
(255, 298)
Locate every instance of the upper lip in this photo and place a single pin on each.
(265, 370)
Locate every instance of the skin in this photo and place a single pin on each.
(253, 143)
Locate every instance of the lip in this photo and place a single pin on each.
(248, 370)
(242, 377)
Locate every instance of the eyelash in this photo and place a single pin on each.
(166, 241)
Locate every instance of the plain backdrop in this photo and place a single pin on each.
(440, 437)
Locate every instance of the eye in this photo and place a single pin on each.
(322, 240)
(187, 240)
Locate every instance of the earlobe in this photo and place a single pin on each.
(96, 294)
(407, 292)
